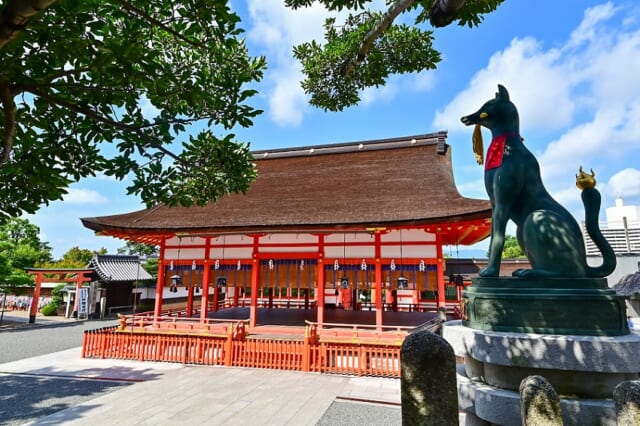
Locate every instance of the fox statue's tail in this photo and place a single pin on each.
(591, 200)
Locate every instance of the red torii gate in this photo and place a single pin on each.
(80, 276)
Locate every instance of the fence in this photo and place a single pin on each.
(349, 354)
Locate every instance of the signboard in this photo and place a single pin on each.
(83, 301)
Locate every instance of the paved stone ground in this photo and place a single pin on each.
(60, 387)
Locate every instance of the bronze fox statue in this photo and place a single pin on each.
(548, 234)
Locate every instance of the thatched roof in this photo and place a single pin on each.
(391, 182)
(628, 285)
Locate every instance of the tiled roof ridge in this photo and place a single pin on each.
(346, 147)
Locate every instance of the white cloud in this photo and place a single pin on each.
(287, 100)
(396, 85)
(372, 95)
(624, 184)
(84, 196)
(276, 29)
(585, 92)
(535, 79)
(423, 81)
(587, 30)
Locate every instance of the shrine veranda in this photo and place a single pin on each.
(357, 227)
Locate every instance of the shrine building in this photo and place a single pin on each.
(349, 226)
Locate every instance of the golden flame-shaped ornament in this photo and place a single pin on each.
(478, 146)
(585, 180)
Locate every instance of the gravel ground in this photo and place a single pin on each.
(25, 398)
(26, 341)
(342, 413)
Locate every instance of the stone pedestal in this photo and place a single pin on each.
(584, 370)
(582, 306)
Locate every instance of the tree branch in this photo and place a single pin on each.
(142, 14)
(9, 109)
(15, 16)
(105, 120)
(387, 19)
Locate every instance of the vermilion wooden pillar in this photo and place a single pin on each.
(378, 290)
(440, 272)
(190, 300)
(157, 310)
(253, 310)
(378, 278)
(33, 310)
(216, 296)
(204, 301)
(320, 292)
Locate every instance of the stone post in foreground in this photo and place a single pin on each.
(627, 398)
(428, 381)
(539, 403)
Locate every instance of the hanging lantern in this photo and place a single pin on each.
(239, 266)
(171, 265)
(271, 264)
(216, 265)
(221, 282)
(176, 280)
(336, 265)
(422, 267)
(402, 282)
(363, 265)
(393, 265)
(193, 265)
(302, 265)
(344, 282)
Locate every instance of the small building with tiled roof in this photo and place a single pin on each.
(356, 216)
(119, 275)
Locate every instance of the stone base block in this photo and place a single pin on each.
(584, 370)
(502, 407)
(576, 306)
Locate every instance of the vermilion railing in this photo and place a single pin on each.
(354, 350)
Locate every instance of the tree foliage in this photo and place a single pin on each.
(143, 250)
(151, 266)
(75, 257)
(369, 46)
(512, 249)
(90, 87)
(20, 247)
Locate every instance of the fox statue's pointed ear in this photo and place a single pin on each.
(502, 93)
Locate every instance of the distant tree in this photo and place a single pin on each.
(130, 76)
(151, 266)
(74, 258)
(512, 249)
(20, 248)
(143, 250)
(79, 256)
(369, 47)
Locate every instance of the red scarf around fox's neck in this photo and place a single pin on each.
(496, 150)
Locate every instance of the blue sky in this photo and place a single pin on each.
(571, 67)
